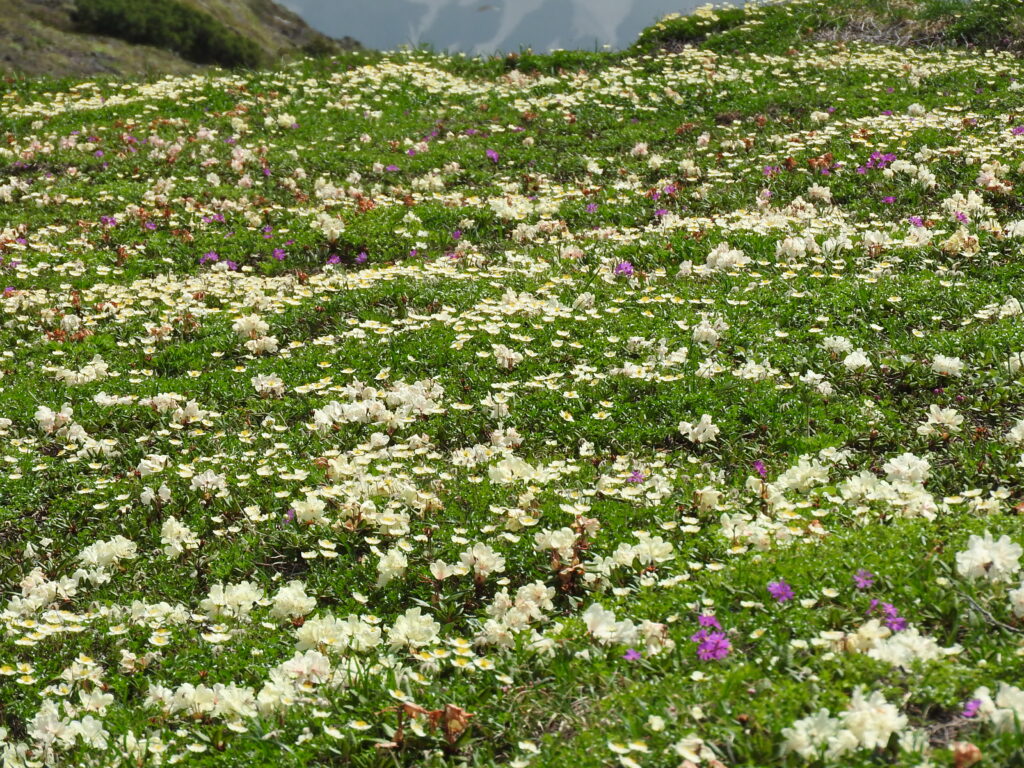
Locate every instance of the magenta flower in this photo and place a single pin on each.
(780, 590)
(708, 620)
(624, 268)
(279, 254)
(863, 579)
(492, 155)
(760, 468)
(636, 477)
(632, 654)
(361, 257)
(971, 707)
(714, 647)
(591, 207)
(334, 259)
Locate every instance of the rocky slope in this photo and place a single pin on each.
(37, 37)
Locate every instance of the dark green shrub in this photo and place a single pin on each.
(191, 33)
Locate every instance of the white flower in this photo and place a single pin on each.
(1017, 601)
(948, 366)
(603, 627)
(940, 420)
(208, 482)
(392, 565)
(413, 629)
(291, 601)
(152, 464)
(903, 648)
(807, 735)
(231, 600)
(250, 326)
(1016, 434)
(704, 431)
(177, 537)
(1006, 711)
(907, 468)
(692, 748)
(857, 361)
(483, 560)
(993, 560)
(268, 386)
(837, 344)
(104, 553)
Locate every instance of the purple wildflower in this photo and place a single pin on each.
(760, 468)
(209, 256)
(708, 620)
(1018, 130)
(780, 590)
(889, 200)
(492, 155)
(917, 221)
(279, 254)
(361, 257)
(896, 623)
(636, 477)
(591, 207)
(971, 707)
(863, 579)
(334, 259)
(391, 168)
(624, 268)
(632, 654)
(714, 647)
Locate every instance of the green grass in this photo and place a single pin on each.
(522, 247)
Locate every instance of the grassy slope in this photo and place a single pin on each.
(37, 38)
(903, 308)
(36, 42)
(775, 27)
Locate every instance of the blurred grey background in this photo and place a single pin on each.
(488, 26)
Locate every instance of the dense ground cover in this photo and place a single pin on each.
(413, 410)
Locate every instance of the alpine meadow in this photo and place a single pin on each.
(657, 408)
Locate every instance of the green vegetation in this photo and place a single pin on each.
(189, 32)
(778, 27)
(397, 409)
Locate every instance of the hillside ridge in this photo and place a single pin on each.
(39, 37)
